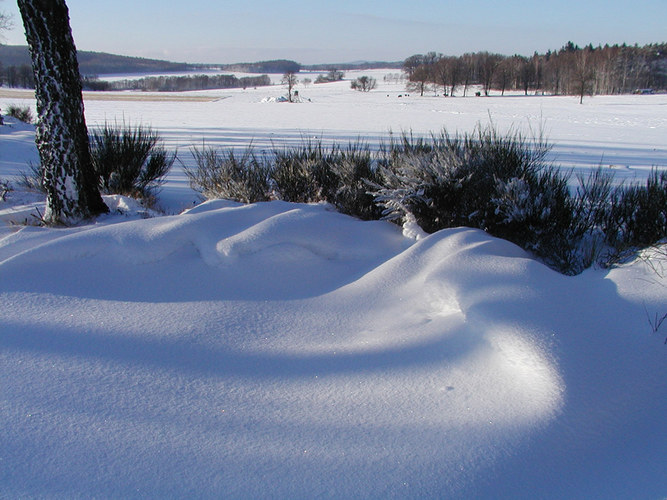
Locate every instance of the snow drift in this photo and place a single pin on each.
(283, 350)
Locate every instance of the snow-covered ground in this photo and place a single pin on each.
(280, 350)
(626, 133)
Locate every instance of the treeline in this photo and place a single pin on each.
(355, 66)
(278, 66)
(572, 70)
(178, 83)
(17, 76)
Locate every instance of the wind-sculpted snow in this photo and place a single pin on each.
(283, 350)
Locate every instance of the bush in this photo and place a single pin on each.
(452, 181)
(500, 184)
(637, 215)
(307, 173)
(312, 173)
(129, 160)
(354, 172)
(224, 175)
(22, 113)
(32, 179)
(303, 174)
(5, 189)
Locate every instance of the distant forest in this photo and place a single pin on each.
(178, 83)
(16, 72)
(279, 66)
(572, 70)
(93, 63)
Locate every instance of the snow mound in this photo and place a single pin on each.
(286, 350)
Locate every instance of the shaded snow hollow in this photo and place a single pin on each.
(280, 350)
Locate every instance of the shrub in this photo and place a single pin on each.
(354, 173)
(22, 113)
(5, 189)
(303, 174)
(451, 181)
(32, 179)
(501, 184)
(225, 175)
(637, 215)
(332, 76)
(129, 160)
(536, 212)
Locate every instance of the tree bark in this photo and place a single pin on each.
(61, 136)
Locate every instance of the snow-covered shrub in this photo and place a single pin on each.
(22, 113)
(449, 181)
(501, 184)
(537, 213)
(129, 160)
(303, 174)
(431, 185)
(637, 216)
(226, 175)
(354, 172)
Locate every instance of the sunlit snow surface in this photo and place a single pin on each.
(280, 350)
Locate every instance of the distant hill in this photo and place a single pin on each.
(102, 63)
(97, 63)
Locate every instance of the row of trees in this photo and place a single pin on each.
(17, 76)
(571, 70)
(178, 83)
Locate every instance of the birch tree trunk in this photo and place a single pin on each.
(62, 136)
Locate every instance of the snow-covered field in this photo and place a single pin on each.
(624, 132)
(279, 350)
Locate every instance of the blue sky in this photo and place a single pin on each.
(342, 31)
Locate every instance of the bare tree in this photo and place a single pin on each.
(467, 70)
(290, 80)
(411, 64)
(61, 136)
(364, 83)
(488, 64)
(583, 74)
(441, 73)
(455, 71)
(504, 74)
(419, 79)
(5, 23)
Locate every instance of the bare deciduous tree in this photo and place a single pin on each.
(290, 80)
(364, 83)
(583, 74)
(5, 23)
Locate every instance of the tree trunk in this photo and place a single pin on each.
(62, 136)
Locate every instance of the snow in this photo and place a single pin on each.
(281, 350)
